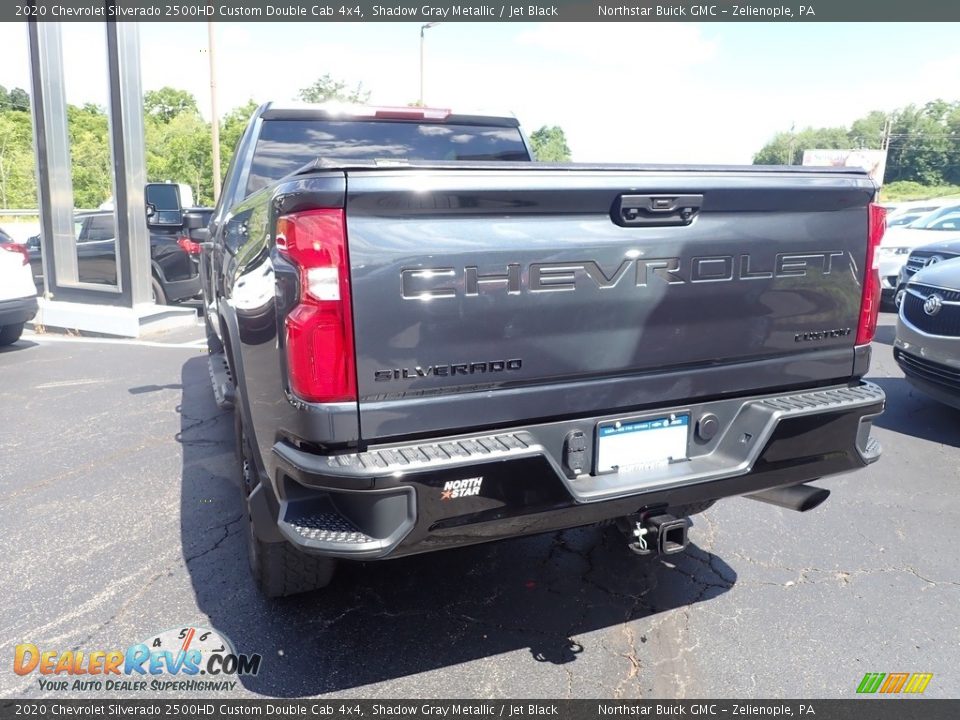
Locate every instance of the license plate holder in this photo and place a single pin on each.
(641, 443)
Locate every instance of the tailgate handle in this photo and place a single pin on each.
(660, 210)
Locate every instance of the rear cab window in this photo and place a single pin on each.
(287, 145)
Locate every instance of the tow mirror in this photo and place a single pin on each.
(163, 205)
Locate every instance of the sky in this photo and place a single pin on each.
(622, 92)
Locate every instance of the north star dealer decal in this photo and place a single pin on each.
(461, 488)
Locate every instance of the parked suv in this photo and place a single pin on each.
(18, 303)
(173, 254)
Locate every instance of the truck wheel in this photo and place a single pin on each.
(9, 334)
(159, 297)
(278, 567)
(214, 344)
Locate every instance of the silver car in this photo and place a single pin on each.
(927, 347)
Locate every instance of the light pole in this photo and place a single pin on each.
(423, 28)
(214, 119)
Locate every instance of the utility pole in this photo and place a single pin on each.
(423, 28)
(885, 140)
(214, 116)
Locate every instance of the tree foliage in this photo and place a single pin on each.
(328, 88)
(787, 148)
(16, 99)
(177, 139)
(177, 143)
(231, 129)
(167, 103)
(550, 144)
(90, 162)
(923, 142)
(18, 187)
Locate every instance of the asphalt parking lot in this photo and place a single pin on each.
(120, 519)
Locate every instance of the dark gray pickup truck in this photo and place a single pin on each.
(431, 341)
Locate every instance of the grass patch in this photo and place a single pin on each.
(906, 190)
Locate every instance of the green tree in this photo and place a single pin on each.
(18, 186)
(923, 143)
(787, 148)
(167, 102)
(231, 129)
(179, 151)
(327, 88)
(550, 144)
(18, 99)
(867, 132)
(89, 155)
(921, 148)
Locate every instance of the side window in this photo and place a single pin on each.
(77, 229)
(950, 222)
(100, 228)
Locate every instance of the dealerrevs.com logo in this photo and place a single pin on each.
(894, 683)
(188, 658)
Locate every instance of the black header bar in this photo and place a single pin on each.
(481, 11)
(873, 707)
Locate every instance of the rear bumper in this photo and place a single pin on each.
(19, 310)
(404, 499)
(177, 290)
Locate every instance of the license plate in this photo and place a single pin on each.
(641, 444)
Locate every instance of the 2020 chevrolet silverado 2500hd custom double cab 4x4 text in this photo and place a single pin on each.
(425, 354)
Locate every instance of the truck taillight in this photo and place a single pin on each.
(188, 246)
(870, 304)
(319, 330)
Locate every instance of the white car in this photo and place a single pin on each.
(18, 294)
(907, 213)
(898, 242)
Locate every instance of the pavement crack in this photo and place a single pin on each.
(226, 533)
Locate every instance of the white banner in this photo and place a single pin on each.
(873, 161)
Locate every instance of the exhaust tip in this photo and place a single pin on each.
(813, 499)
(800, 497)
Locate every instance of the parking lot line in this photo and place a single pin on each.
(45, 338)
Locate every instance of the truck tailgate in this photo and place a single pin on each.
(484, 297)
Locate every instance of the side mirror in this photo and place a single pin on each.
(200, 235)
(164, 201)
(195, 219)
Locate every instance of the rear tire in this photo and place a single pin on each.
(278, 568)
(159, 297)
(9, 334)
